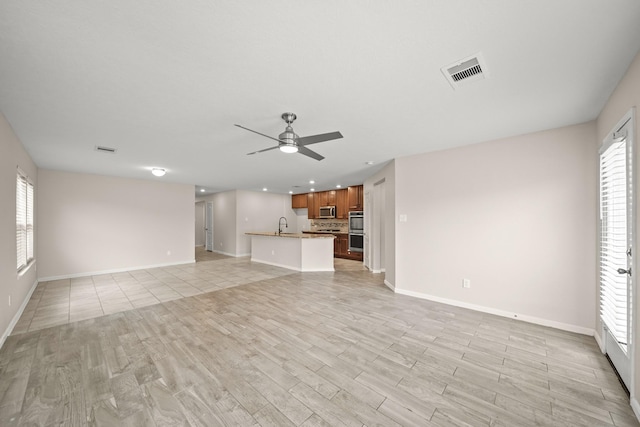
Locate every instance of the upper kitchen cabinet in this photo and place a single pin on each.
(342, 204)
(356, 198)
(331, 198)
(321, 198)
(299, 201)
(312, 207)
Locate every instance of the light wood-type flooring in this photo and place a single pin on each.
(256, 345)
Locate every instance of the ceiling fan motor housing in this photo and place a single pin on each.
(288, 138)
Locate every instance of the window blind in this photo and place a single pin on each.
(613, 240)
(24, 220)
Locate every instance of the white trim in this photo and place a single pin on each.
(635, 406)
(490, 310)
(115, 270)
(230, 254)
(376, 271)
(389, 285)
(600, 342)
(288, 267)
(15, 319)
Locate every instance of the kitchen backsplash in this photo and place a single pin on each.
(342, 225)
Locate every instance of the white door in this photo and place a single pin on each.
(209, 227)
(616, 252)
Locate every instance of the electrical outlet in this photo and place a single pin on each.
(273, 252)
(9, 300)
(466, 283)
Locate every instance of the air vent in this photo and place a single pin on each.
(105, 149)
(465, 71)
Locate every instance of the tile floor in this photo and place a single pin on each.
(63, 301)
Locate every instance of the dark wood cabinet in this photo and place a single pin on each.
(299, 201)
(341, 246)
(342, 204)
(356, 198)
(350, 199)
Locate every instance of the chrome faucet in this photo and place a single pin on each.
(280, 224)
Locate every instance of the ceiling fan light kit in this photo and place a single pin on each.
(290, 142)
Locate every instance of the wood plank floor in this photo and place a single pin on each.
(305, 349)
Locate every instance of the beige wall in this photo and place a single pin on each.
(260, 211)
(626, 96)
(515, 216)
(224, 222)
(91, 224)
(388, 175)
(18, 288)
(237, 212)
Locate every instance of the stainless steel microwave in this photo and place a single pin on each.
(327, 212)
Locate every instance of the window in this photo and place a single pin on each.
(24, 220)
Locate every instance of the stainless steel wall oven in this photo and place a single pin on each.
(356, 231)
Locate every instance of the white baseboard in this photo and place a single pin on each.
(497, 312)
(635, 406)
(288, 267)
(389, 285)
(599, 341)
(230, 254)
(15, 319)
(115, 270)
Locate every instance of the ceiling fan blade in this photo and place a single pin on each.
(262, 151)
(251, 130)
(314, 139)
(304, 150)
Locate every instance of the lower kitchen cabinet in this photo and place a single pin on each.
(341, 248)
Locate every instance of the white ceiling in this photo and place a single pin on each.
(165, 81)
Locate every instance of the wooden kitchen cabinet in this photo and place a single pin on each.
(342, 204)
(312, 209)
(356, 198)
(331, 198)
(322, 197)
(299, 201)
(341, 246)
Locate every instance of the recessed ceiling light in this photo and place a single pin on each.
(369, 162)
(202, 190)
(158, 171)
(312, 182)
(290, 192)
(312, 189)
(264, 189)
(338, 186)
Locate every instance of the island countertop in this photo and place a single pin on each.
(296, 251)
(291, 235)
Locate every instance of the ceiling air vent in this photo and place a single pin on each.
(105, 149)
(465, 71)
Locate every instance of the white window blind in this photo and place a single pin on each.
(24, 220)
(613, 240)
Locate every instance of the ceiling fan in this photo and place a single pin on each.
(290, 142)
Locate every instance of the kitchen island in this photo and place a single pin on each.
(295, 251)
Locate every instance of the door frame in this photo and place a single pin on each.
(208, 226)
(627, 119)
